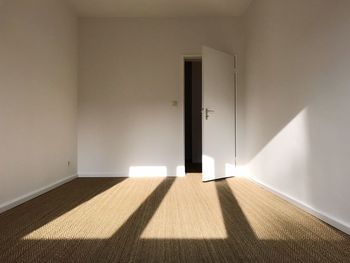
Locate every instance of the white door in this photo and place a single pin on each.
(219, 115)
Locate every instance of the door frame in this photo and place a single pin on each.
(182, 102)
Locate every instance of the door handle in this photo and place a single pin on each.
(207, 111)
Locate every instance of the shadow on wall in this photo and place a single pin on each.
(297, 91)
(292, 76)
(241, 243)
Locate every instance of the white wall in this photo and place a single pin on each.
(297, 102)
(130, 72)
(38, 77)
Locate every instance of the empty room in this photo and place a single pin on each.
(174, 131)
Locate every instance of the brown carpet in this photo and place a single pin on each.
(165, 220)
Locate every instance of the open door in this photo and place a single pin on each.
(219, 117)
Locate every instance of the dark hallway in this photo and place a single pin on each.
(193, 115)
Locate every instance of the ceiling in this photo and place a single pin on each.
(160, 8)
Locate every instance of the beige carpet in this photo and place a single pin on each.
(165, 220)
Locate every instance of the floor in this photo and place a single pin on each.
(165, 220)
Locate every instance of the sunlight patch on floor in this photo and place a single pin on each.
(262, 217)
(101, 216)
(186, 213)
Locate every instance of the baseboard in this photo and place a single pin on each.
(117, 175)
(103, 175)
(320, 215)
(24, 198)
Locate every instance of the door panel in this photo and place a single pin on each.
(218, 114)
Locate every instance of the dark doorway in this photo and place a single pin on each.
(193, 115)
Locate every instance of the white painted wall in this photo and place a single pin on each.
(130, 72)
(297, 102)
(38, 77)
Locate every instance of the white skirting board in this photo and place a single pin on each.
(139, 171)
(320, 215)
(122, 175)
(24, 198)
(101, 175)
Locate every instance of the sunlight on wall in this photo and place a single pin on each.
(286, 155)
(180, 171)
(208, 167)
(241, 171)
(109, 209)
(148, 171)
(230, 170)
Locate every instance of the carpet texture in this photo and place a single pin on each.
(165, 220)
